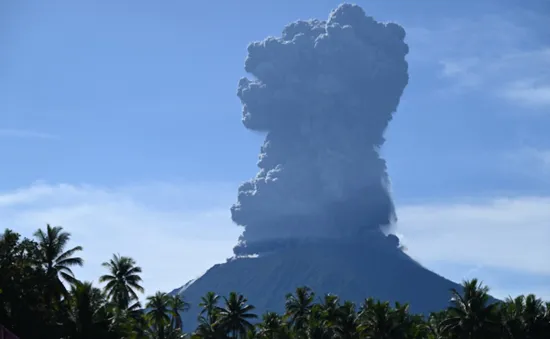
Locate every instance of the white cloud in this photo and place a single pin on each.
(528, 92)
(18, 133)
(521, 78)
(477, 239)
(531, 162)
(506, 233)
(177, 231)
(496, 54)
(542, 292)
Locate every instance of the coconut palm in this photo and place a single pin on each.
(511, 311)
(56, 260)
(298, 307)
(208, 306)
(533, 317)
(208, 330)
(331, 309)
(346, 325)
(524, 316)
(375, 319)
(177, 305)
(272, 327)
(234, 316)
(123, 281)
(159, 312)
(85, 316)
(434, 325)
(471, 314)
(317, 327)
(173, 333)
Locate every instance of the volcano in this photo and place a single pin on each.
(352, 270)
(319, 210)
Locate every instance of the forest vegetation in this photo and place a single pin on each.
(40, 297)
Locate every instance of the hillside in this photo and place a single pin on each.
(350, 270)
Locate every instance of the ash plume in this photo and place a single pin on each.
(323, 93)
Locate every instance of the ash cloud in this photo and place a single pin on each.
(323, 93)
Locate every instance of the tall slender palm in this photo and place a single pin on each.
(177, 305)
(56, 259)
(298, 307)
(159, 312)
(472, 315)
(123, 281)
(208, 305)
(234, 316)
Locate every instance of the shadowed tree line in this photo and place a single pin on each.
(40, 297)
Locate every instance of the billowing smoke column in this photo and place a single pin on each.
(324, 94)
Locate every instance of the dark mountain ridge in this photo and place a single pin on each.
(350, 269)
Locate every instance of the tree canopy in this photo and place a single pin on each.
(40, 297)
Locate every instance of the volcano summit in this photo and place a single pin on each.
(323, 93)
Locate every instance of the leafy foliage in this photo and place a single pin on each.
(38, 287)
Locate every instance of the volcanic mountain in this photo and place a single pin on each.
(319, 209)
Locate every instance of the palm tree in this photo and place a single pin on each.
(208, 327)
(56, 259)
(472, 315)
(272, 327)
(317, 327)
(173, 333)
(511, 311)
(298, 307)
(375, 319)
(524, 316)
(139, 325)
(177, 305)
(330, 309)
(208, 330)
(84, 312)
(158, 312)
(209, 306)
(234, 316)
(534, 320)
(434, 325)
(346, 325)
(123, 281)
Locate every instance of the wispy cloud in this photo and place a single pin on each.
(25, 134)
(504, 233)
(528, 91)
(502, 55)
(177, 231)
(520, 77)
(531, 162)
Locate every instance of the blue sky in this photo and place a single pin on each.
(122, 117)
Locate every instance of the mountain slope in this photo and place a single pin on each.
(353, 271)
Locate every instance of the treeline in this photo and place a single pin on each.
(41, 298)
